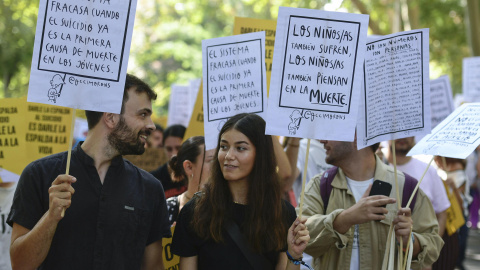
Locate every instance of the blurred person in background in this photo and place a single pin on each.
(172, 141)
(192, 163)
(457, 180)
(155, 140)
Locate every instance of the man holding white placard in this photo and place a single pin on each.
(432, 184)
(117, 217)
(349, 228)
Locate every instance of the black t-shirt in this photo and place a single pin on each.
(107, 225)
(226, 255)
(171, 188)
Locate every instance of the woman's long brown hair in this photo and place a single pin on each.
(265, 226)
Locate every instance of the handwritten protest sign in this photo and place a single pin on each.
(471, 79)
(179, 107)
(441, 100)
(457, 136)
(195, 126)
(12, 134)
(81, 51)
(250, 25)
(396, 97)
(48, 128)
(233, 80)
(150, 160)
(316, 74)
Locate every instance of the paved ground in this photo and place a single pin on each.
(472, 261)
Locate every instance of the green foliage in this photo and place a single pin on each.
(167, 39)
(166, 45)
(17, 28)
(445, 19)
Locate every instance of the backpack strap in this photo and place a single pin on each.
(326, 185)
(408, 187)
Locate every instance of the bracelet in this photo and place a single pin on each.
(298, 261)
(294, 261)
(413, 242)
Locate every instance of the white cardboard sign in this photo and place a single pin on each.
(396, 95)
(471, 78)
(179, 106)
(457, 136)
(234, 80)
(316, 74)
(441, 99)
(81, 53)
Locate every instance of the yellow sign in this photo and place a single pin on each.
(161, 120)
(151, 160)
(48, 129)
(170, 260)
(455, 218)
(249, 25)
(13, 153)
(195, 126)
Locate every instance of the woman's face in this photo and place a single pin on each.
(236, 155)
(172, 145)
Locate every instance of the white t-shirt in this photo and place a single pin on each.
(432, 184)
(357, 188)
(6, 198)
(316, 163)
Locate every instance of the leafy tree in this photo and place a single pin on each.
(17, 28)
(167, 39)
(445, 19)
(166, 45)
(473, 8)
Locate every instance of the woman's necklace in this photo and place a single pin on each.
(239, 203)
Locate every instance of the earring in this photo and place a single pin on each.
(192, 175)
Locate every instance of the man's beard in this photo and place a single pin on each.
(401, 151)
(123, 139)
(340, 152)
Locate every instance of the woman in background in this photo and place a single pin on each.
(172, 140)
(192, 163)
(240, 221)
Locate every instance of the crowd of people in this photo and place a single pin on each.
(233, 207)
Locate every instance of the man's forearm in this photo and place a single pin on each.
(29, 248)
(342, 222)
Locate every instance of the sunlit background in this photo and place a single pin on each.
(166, 44)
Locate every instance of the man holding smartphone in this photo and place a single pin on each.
(351, 231)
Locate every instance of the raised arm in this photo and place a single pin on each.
(291, 151)
(282, 162)
(29, 248)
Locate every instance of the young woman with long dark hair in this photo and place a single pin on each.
(243, 195)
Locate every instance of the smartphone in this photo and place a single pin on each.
(380, 188)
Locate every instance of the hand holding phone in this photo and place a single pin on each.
(380, 188)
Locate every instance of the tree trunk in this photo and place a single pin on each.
(372, 24)
(413, 14)
(6, 82)
(473, 27)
